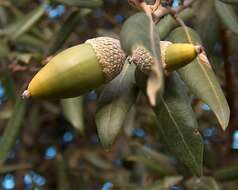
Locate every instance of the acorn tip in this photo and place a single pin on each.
(199, 49)
(25, 94)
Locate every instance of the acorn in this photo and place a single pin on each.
(173, 56)
(78, 70)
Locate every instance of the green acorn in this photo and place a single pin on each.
(78, 70)
(173, 56)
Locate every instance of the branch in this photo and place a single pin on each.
(162, 11)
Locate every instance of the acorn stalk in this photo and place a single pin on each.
(78, 70)
(173, 56)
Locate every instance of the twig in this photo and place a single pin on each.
(12, 168)
(163, 11)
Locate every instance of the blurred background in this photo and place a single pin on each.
(54, 144)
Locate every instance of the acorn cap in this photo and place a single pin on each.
(109, 54)
(173, 56)
(78, 70)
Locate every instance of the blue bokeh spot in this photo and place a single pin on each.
(50, 153)
(55, 12)
(2, 91)
(137, 132)
(8, 182)
(119, 18)
(107, 186)
(68, 137)
(206, 107)
(209, 132)
(176, 3)
(38, 179)
(175, 188)
(235, 140)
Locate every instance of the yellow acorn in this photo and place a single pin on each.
(78, 69)
(173, 56)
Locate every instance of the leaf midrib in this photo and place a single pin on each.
(177, 127)
(210, 83)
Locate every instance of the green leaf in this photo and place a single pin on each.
(3, 16)
(31, 43)
(83, 3)
(207, 25)
(114, 103)
(227, 174)
(130, 121)
(227, 15)
(168, 23)
(98, 161)
(140, 31)
(230, 1)
(4, 50)
(203, 183)
(178, 126)
(201, 80)
(66, 29)
(7, 82)
(23, 24)
(164, 184)
(73, 112)
(154, 160)
(62, 173)
(22, 57)
(12, 129)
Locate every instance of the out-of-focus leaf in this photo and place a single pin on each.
(201, 80)
(64, 32)
(5, 114)
(227, 174)
(203, 183)
(7, 82)
(12, 129)
(31, 44)
(229, 1)
(153, 160)
(168, 23)
(3, 16)
(139, 31)
(206, 24)
(4, 50)
(73, 112)
(63, 173)
(227, 15)
(83, 3)
(23, 24)
(165, 184)
(159, 157)
(15, 167)
(50, 107)
(98, 161)
(149, 163)
(178, 126)
(130, 121)
(114, 103)
(22, 57)
(34, 122)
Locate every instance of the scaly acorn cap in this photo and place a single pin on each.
(109, 54)
(78, 70)
(173, 56)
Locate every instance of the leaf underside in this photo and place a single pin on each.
(178, 125)
(201, 79)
